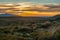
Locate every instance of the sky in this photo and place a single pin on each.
(35, 1)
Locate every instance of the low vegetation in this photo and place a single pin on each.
(40, 29)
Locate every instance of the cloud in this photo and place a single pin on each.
(28, 9)
(29, 6)
(48, 8)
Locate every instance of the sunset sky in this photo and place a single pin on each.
(53, 7)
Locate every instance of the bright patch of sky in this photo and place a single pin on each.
(35, 1)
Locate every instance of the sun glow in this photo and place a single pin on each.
(34, 13)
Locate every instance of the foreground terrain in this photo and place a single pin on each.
(30, 28)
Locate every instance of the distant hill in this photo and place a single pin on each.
(56, 17)
(6, 15)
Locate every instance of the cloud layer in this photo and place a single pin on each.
(29, 9)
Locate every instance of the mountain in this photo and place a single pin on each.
(56, 17)
(6, 15)
(1, 15)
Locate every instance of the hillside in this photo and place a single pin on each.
(29, 28)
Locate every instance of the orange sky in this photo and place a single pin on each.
(34, 13)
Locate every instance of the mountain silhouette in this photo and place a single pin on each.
(56, 17)
(5, 15)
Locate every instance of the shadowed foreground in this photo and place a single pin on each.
(29, 28)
